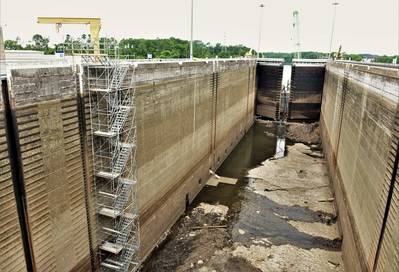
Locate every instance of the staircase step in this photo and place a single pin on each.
(125, 107)
(128, 181)
(111, 266)
(107, 175)
(107, 194)
(126, 145)
(114, 262)
(111, 247)
(100, 90)
(111, 230)
(108, 134)
(109, 212)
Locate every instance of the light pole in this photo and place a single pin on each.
(192, 29)
(261, 6)
(335, 4)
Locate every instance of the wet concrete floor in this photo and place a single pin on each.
(279, 216)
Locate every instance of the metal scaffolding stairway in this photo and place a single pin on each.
(112, 109)
(118, 77)
(117, 124)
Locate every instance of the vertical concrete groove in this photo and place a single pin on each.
(17, 177)
(248, 92)
(390, 193)
(82, 128)
(214, 87)
(342, 108)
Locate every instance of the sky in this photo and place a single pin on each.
(362, 26)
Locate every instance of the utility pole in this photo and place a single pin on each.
(297, 43)
(335, 4)
(2, 51)
(192, 29)
(261, 6)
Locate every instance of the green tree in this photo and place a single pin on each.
(169, 48)
(12, 45)
(354, 57)
(39, 42)
(384, 59)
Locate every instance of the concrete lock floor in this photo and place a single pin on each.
(279, 216)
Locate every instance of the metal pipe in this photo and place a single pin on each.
(192, 29)
(260, 28)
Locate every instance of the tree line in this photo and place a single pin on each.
(171, 48)
(134, 48)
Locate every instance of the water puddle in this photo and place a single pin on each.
(255, 147)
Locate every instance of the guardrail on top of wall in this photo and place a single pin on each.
(270, 60)
(374, 64)
(310, 62)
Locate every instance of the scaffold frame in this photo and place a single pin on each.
(111, 88)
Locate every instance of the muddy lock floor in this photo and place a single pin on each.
(279, 216)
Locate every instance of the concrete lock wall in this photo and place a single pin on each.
(12, 256)
(359, 122)
(189, 117)
(44, 117)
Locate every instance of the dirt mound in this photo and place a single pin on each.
(304, 133)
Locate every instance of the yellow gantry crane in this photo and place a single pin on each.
(95, 26)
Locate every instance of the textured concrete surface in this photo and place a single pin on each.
(358, 133)
(388, 254)
(388, 259)
(12, 256)
(45, 119)
(190, 117)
